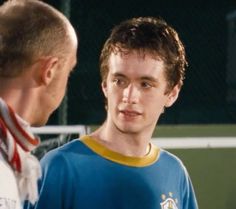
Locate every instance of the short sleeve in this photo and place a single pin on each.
(54, 187)
(189, 198)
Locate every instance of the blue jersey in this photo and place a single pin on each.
(84, 174)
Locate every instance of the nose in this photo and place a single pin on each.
(130, 94)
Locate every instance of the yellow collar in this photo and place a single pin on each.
(98, 148)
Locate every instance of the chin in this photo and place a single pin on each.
(128, 129)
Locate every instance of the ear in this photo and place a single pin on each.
(48, 69)
(172, 96)
(104, 88)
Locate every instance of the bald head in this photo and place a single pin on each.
(30, 29)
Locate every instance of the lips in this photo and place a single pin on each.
(130, 113)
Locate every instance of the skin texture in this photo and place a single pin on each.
(56, 81)
(135, 89)
(39, 90)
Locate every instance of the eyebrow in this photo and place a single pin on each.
(149, 78)
(118, 75)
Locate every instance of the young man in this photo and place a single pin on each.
(117, 167)
(37, 53)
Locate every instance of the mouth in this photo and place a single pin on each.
(130, 113)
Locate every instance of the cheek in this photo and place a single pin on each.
(113, 97)
(154, 103)
(60, 86)
(63, 81)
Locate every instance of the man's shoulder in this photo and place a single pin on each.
(170, 159)
(65, 160)
(66, 152)
(68, 147)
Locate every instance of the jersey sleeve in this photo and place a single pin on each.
(54, 187)
(189, 198)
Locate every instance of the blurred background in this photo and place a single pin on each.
(208, 30)
(207, 103)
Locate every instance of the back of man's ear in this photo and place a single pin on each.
(48, 69)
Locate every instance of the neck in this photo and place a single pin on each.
(19, 98)
(129, 144)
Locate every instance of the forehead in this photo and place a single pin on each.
(135, 64)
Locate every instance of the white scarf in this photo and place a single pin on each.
(16, 142)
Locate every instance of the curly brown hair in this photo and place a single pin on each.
(147, 35)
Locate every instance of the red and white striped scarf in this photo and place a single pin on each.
(16, 142)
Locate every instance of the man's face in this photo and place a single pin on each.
(135, 89)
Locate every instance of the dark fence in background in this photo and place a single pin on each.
(208, 95)
(204, 29)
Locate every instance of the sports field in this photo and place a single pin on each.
(195, 130)
(213, 171)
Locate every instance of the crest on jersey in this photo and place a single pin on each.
(169, 202)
